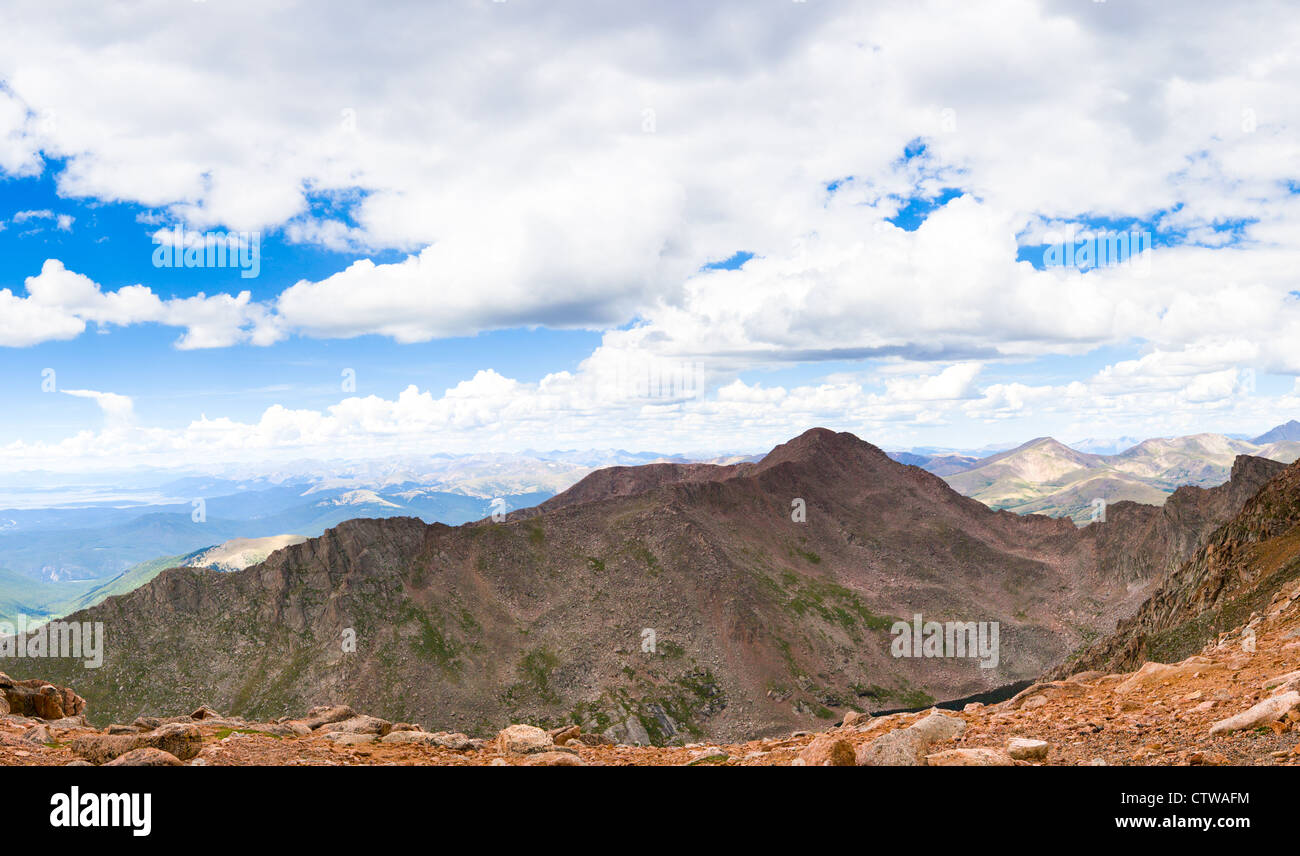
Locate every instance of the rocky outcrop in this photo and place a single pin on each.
(182, 741)
(1249, 564)
(39, 699)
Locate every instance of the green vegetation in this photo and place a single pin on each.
(433, 642)
(834, 603)
(643, 555)
(534, 678)
(903, 696)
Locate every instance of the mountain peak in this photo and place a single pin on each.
(1287, 432)
(818, 443)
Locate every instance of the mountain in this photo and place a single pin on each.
(40, 601)
(667, 602)
(1286, 433)
(1044, 476)
(1237, 573)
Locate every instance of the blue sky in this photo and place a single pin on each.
(822, 217)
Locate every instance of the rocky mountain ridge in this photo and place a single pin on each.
(664, 605)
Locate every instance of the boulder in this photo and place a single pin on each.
(183, 741)
(279, 729)
(1268, 710)
(938, 727)
(1026, 749)
(523, 740)
(1050, 689)
(900, 748)
(326, 714)
(828, 751)
(145, 757)
(361, 725)
(39, 734)
(970, 758)
(439, 739)
(853, 719)
(39, 698)
(560, 736)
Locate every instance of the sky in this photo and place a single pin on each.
(681, 227)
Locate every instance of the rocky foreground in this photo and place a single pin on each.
(1237, 702)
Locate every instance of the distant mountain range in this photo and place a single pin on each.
(1045, 476)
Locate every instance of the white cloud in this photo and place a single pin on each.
(557, 166)
(60, 302)
(568, 169)
(118, 410)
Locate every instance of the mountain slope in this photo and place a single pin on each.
(656, 604)
(1236, 573)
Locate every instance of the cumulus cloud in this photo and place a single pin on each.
(582, 186)
(548, 165)
(493, 412)
(60, 302)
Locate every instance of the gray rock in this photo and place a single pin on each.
(1268, 710)
(901, 748)
(523, 739)
(182, 740)
(360, 725)
(440, 739)
(39, 735)
(1026, 749)
(938, 727)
